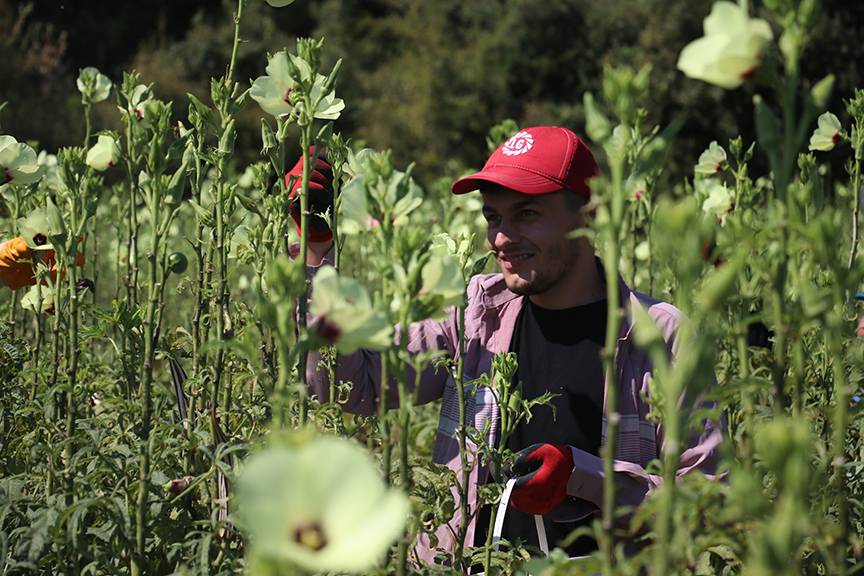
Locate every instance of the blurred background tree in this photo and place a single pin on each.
(427, 79)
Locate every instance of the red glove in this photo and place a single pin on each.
(320, 196)
(542, 472)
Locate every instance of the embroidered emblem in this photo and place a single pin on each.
(519, 143)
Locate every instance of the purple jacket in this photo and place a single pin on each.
(490, 320)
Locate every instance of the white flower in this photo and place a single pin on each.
(719, 200)
(344, 314)
(272, 92)
(104, 154)
(43, 303)
(711, 160)
(827, 135)
(329, 107)
(51, 179)
(93, 85)
(731, 50)
(321, 506)
(137, 109)
(18, 162)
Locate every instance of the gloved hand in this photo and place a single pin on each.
(16, 268)
(320, 196)
(541, 472)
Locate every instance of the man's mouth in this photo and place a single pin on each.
(512, 260)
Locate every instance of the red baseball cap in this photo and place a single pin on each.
(536, 160)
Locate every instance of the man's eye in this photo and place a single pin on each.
(528, 213)
(492, 218)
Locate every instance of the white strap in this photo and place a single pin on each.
(541, 534)
(499, 520)
(502, 510)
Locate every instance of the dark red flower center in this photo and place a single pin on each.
(749, 73)
(327, 330)
(310, 536)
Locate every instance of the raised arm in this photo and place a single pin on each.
(363, 368)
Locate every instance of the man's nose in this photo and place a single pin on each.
(502, 237)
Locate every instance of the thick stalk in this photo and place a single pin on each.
(503, 401)
(334, 217)
(13, 306)
(746, 402)
(799, 373)
(305, 143)
(404, 432)
(87, 124)
(840, 423)
(139, 559)
(856, 207)
(613, 325)
(463, 448)
(221, 290)
(38, 327)
(671, 450)
(781, 187)
(386, 456)
(200, 299)
(71, 380)
(778, 306)
(237, 17)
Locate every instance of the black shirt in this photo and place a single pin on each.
(558, 351)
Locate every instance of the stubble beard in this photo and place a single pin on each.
(559, 260)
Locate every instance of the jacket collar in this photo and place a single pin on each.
(495, 294)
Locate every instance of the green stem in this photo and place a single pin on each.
(613, 324)
(746, 401)
(237, 17)
(840, 424)
(463, 448)
(71, 368)
(87, 124)
(139, 560)
(305, 143)
(856, 208)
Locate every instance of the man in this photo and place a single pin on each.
(548, 305)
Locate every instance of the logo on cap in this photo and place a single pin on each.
(519, 143)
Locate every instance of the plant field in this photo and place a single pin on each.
(171, 379)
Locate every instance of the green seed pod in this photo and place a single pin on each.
(515, 402)
(268, 138)
(177, 262)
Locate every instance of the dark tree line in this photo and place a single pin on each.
(427, 79)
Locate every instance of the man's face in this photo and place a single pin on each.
(528, 234)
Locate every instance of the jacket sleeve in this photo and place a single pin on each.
(363, 367)
(632, 482)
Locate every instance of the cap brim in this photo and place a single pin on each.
(517, 179)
